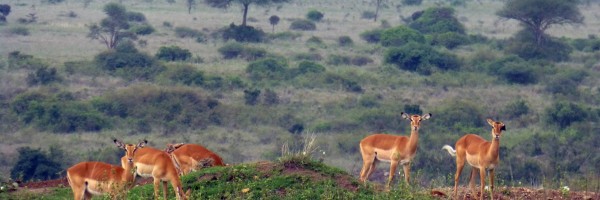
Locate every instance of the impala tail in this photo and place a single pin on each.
(450, 150)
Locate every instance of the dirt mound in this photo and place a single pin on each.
(46, 184)
(519, 193)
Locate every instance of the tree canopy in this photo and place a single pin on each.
(115, 28)
(244, 3)
(539, 15)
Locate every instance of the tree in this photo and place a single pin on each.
(4, 11)
(539, 15)
(35, 164)
(244, 3)
(377, 7)
(274, 20)
(115, 28)
(190, 4)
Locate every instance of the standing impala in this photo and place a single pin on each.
(191, 157)
(480, 154)
(151, 162)
(391, 148)
(95, 178)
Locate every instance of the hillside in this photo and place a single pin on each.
(244, 92)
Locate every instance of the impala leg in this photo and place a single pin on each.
(372, 168)
(460, 163)
(474, 171)
(492, 184)
(393, 167)
(482, 177)
(165, 189)
(156, 183)
(368, 163)
(406, 172)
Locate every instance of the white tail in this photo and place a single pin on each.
(450, 150)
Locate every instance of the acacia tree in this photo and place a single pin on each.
(377, 7)
(539, 15)
(274, 20)
(114, 28)
(190, 4)
(244, 3)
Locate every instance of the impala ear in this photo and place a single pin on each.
(404, 116)
(491, 122)
(175, 146)
(503, 127)
(426, 117)
(142, 144)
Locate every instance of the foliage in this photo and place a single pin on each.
(33, 164)
(142, 29)
(287, 35)
(4, 11)
(43, 76)
(336, 59)
(303, 25)
(458, 116)
(515, 70)
(539, 15)
(273, 20)
(412, 2)
(243, 33)
(251, 96)
(308, 56)
(234, 50)
(345, 40)
(516, 109)
(173, 53)
(563, 114)
(372, 36)
(523, 44)
(368, 15)
(185, 32)
(244, 3)
(268, 68)
(314, 15)
(185, 74)
(450, 40)
(400, 35)
(360, 60)
(128, 62)
(310, 67)
(420, 58)
(437, 20)
(565, 82)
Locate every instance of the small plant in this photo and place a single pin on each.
(173, 53)
(303, 25)
(345, 41)
(368, 15)
(314, 15)
(372, 36)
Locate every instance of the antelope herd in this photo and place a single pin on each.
(97, 178)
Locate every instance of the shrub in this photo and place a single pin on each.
(412, 2)
(437, 20)
(251, 96)
(308, 56)
(345, 41)
(399, 36)
(314, 15)
(231, 50)
(314, 40)
(372, 36)
(338, 59)
(268, 68)
(367, 15)
(516, 108)
(450, 40)
(563, 114)
(136, 17)
(303, 25)
(270, 97)
(514, 70)
(173, 53)
(253, 53)
(420, 58)
(4, 9)
(128, 62)
(185, 74)
(310, 67)
(523, 44)
(459, 116)
(19, 30)
(142, 29)
(360, 60)
(565, 82)
(43, 76)
(243, 33)
(185, 32)
(287, 35)
(34, 164)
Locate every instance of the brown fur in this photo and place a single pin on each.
(391, 148)
(192, 156)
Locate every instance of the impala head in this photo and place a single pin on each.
(415, 120)
(172, 147)
(129, 148)
(497, 128)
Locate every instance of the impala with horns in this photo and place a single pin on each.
(191, 157)
(391, 148)
(97, 178)
(480, 154)
(151, 162)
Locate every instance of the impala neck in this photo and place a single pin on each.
(413, 139)
(494, 147)
(129, 174)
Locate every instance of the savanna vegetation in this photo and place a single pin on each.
(75, 74)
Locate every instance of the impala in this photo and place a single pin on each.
(391, 148)
(480, 154)
(151, 162)
(191, 157)
(96, 178)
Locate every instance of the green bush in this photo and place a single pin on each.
(142, 29)
(287, 35)
(136, 17)
(268, 68)
(459, 116)
(420, 58)
(437, 20)
(308, 56)
(186, 32)
(372, 36)
(128, 62)
(315, 40)
(34, 164)
(514, 70)
(251, 96)
(360, 60)
(43, 76)
(314, 15)
(563, 114)
(243, 34)
(336, 59)
(412, 2)
(588, 45)
(185, 74)
(310, 67)
(367, 15)
(516, 109)
(523, 44)
(450, 40)
(231, 50)
(303, 25)
(345, 41)
(253, 53)
(565, 82)
(399, 36)
(173, 53)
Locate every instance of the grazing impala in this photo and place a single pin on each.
(391, 148)
(95, 178)
(151, 162)
(480, 154)
(191, 157)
